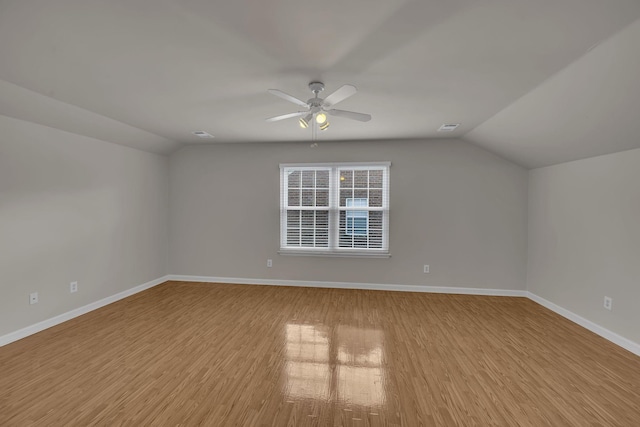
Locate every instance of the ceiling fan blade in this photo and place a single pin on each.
(340, 95)
(286, 116)
(361, 117)
(288, 97)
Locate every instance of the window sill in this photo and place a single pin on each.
(292, 252)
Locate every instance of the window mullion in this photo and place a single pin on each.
(334, 214)
(315, 205)
(353, 196)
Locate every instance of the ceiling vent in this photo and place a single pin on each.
(448, 127)
(202, 134)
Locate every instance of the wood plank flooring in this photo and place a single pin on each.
(233, 355)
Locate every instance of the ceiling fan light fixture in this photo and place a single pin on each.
(304, 121)
(321, 118)
(324, 125)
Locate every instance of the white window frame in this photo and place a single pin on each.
(334, 211)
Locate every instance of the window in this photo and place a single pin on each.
(334, 209)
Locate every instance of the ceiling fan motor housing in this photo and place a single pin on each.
(315, 105)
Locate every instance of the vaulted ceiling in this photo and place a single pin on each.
(537, 82)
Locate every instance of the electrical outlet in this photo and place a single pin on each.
(269, 263)
(73, 287)
(426, 268)
(608, 303)
(33, 298)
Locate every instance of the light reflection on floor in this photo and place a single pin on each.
(307, 354)
(341, 364)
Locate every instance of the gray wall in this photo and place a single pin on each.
(584, 238)
(453, 206)
(75, 209)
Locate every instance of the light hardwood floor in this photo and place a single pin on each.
(226, 355)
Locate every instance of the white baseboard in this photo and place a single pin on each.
(351, 285)
(45, 324)
(587, 324)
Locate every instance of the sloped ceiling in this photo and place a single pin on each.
(591, 107)
(523, 78)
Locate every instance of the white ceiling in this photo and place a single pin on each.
(522, 77)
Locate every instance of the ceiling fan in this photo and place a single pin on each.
(317, 109)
